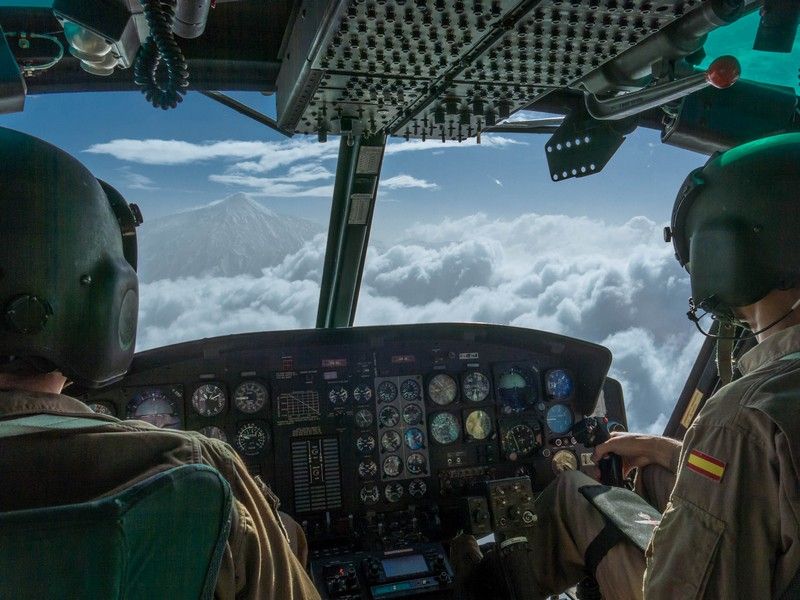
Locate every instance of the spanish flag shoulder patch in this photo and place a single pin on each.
(706, 465)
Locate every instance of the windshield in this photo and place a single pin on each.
(236, 217)
(481, 233)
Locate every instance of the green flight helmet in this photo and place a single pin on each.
(69, 294)
(736, 225)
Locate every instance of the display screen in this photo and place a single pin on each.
(405, 565)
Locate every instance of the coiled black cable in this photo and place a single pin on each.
(160, 67)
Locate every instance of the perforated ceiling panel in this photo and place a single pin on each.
(444, 69)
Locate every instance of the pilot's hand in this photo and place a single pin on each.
(640, 450)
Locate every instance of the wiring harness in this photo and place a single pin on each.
(160, 67)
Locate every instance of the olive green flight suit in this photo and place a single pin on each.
(730, 527)
(62, 467)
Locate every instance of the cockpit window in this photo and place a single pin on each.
(481, 234)
(773, 68)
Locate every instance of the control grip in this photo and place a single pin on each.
(513, 559)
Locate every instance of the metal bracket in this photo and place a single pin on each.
(12, 85)
(583, 146)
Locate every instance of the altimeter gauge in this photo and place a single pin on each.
(250, 397)
(209, 400)
(475, 386)
(520, 440)
(442, 389)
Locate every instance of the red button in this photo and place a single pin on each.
(723, 72)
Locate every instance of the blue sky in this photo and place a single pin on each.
(503, 182)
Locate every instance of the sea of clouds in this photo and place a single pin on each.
(613, 284)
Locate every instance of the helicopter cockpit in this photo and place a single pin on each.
(385, 440)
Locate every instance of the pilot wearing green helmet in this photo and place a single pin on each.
(718, 514)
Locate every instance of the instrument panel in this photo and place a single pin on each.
(352, 426)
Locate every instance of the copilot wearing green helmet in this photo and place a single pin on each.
(729, 493)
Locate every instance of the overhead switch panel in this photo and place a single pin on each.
(436, 69)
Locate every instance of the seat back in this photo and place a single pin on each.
(163, 537)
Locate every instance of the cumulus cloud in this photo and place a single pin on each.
(407, 181)
(617, 285)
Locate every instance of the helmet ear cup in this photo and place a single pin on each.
(129, 218)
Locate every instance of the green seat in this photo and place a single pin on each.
(161, 538)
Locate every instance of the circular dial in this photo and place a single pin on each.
(392, 466)
(442, 389)
(367, 468)
(212, 431)
(387, 391)
(393, 492)
(209, 400)
(391, 441)
(155, 407)
(478, 424)
(101, 408)
(564, 460)
(338, 395)
(416, 463)
(370, 494)
(515, 391)
(362, 393)
(365, 443)
(520, 440)
(559, 419)
(250, 397)
(389, 416)
(409, 390)
(415, 439)
(559, 384)
(475, 386)
(251, 439)
(417, 488)
(363, 418)
(444, 428)
(412, 414)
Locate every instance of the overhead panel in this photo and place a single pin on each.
(444, 70)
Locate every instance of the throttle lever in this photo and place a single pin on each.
(591, 432)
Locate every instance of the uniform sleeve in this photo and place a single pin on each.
(259, 562)
(716, 538)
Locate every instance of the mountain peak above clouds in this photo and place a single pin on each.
(233, 236)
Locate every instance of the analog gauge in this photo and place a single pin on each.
(392, 466)
(442, 389)
(416, 463)
(564, 460)
(251, 439)
(338, 395)
(212, 431)
(370, 494)
(363, 418)
(365, 443)
(515, 391)
(415, 439)
(387, 391)
(156, 407)
(250, 397)
(409, 390)
(559, 384)
(391, 441)
(367, 468)
(444, 428)
(559, 418)
(475, 386)
(412, 414)
(209, 400)
(101, 408)
(478, 425)
(520, 440)
(389, 416)
(393, 492)
(417, 488)
(363, 394)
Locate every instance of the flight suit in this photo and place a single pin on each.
(731, 525)
(75, 466)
